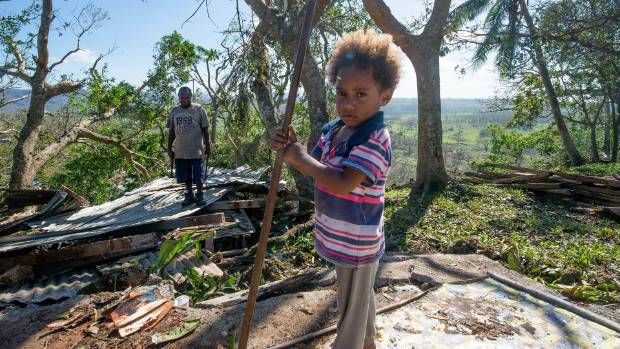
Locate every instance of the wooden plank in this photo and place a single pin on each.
(533, 186)
(592, 189)
(596, 196)
(521, 169)
(566, 192)
(74, 256)
(79, 199)
(191, 221)
(124, 320)
(591, 179)
(522, 178)
(588, 179)
(235, 204)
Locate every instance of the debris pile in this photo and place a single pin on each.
(588, 193)
(64, 247)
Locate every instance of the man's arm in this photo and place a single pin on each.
(204, 124)
(171, 137)
(205, 136)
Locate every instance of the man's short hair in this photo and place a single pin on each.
(184, 90)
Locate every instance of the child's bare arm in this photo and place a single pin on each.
(295, 154)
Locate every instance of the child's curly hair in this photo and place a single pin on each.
(366, 50)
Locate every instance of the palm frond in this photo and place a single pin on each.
(466, 12)
(493, 23)
(505, 58)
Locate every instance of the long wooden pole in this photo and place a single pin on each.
(275, 179)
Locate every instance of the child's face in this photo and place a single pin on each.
(358, 95)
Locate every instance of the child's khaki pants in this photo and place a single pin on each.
(356, 306)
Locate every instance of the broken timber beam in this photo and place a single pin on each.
(235, 204)
(74, 256)
(192, 221)
(520, 169)
(533, 186)
(523, 178)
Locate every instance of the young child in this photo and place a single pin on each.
(188, 129)
(350, 164)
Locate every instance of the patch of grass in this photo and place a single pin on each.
(542, 239)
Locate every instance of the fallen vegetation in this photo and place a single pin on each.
(577, 253)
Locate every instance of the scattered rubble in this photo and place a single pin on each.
(587, 193)
(110, 276)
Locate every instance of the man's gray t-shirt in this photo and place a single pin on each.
(188, 123)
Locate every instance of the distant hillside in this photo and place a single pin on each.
(452, 108)
(456, 110)
(53, 104)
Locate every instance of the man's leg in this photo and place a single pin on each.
(198, 178)
(184, 175)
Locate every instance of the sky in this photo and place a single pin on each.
(134, 26)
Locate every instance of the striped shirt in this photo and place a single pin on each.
(349, 228)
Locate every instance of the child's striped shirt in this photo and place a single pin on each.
(349, 228)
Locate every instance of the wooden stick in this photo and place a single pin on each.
(275, 179)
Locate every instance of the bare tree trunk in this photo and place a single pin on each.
(25, 163)
(541, 64)
(594, 144)
(430, 173)
(607, 130)
(615, 130)
(423, 52)
(286, 32)
(23, 171)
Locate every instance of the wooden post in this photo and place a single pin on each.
(275, 179)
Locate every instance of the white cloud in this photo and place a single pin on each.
(83, 56)
(481, 83)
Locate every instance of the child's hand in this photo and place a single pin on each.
(279, 139)
(294, 150)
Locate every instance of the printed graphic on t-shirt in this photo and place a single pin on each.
(183, 123)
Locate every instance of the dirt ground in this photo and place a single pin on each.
(276, 320)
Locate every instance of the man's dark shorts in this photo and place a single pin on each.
(189, 171)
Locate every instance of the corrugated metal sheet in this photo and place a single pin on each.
(56, 287)
(68, 284)
(242, 174)
(155, 201)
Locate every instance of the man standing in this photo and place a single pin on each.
(188, 128)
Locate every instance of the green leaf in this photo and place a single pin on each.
(176, 333)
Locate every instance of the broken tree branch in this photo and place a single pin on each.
(129, 155)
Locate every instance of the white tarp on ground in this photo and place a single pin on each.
(488, 314)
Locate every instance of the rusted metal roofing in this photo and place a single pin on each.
(156, 201)
(55, 287)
